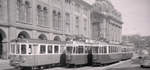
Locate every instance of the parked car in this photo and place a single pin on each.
(145, 58)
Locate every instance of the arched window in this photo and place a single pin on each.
(39, 14)
(67, 15)
(54, 19)
(24, 35)
(57, 38)
(18, 11)
(45, 16)
(27, 12)
(59, 21)
(1, 14)
(42, 37)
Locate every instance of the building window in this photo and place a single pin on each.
(67, 16)
(56, 20)
(68, 1)
(27, 12)
(1, 9)
(77, 7)
(39, 14)
(77, 25)
(19, 5)
(45, 15)
(85, 24)
(23, 12)
(59, 20)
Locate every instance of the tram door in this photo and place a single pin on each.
(1, 46)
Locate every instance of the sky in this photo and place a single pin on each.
(135, 15)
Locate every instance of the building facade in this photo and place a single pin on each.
(106, 22)
(59, 20)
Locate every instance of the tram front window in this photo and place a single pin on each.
(23, 49)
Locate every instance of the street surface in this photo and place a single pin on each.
(122, 65)
(4, 65)
(119, 65)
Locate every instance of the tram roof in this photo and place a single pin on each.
(38, 41)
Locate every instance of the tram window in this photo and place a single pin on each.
(56, 49)
(50, 48)
(23, 49)
(77, 49)
(109, 49)
(13, 48)
(69, 49)
(30, 49)
(115, 49)
(86, 49)
(74, 50)
(100, 49)
(80, 49)
(95, 49)
(18, 49)
(42, 49)
(105, 49)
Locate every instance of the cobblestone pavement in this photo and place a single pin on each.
(92, 68)
(131, 65)
(4, 65)
(122, 65)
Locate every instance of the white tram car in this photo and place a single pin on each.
(35, 53)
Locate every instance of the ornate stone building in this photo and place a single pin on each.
(59, 20)
(106, 22)
(42, 19)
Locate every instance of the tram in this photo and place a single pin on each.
(105, 54)
(35, 53)
(41, 54)
(76, 54)
(127, 52)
